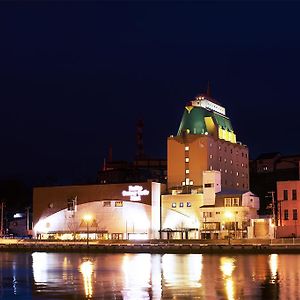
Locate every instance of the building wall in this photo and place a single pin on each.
(206, 153)
(287, 206)
(107, 203)
(181, 211)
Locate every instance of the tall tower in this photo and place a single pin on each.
(206, 141)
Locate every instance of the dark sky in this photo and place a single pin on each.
(77, 75)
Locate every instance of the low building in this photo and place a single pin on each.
(109, 211)
(208, 213)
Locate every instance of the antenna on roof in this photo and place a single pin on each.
(208, 91)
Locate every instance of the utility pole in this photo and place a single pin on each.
(2, 219)
(273, 208)
(27, 219)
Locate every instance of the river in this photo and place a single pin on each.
(42, 275)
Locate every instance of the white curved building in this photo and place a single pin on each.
(110, 211)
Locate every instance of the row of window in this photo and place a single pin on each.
(286, 214)
(286, 195)
(108, 204)
(187, 148)
(181, 204)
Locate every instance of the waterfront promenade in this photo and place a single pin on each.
(288, 245)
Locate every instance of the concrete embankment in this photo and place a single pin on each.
(160, 247)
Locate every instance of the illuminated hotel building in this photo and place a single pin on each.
(206, 196)
(208, 176)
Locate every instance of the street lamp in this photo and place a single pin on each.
(87, 219)
(229, 216)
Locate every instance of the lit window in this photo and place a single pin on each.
(186, 148)
(210, 167)
(225, 170)
(187, 171)
(231, 162)
(219, 147)
(183, 183)
(237, 173)
(237, 184)
(187, 159)
(173, 204)
(188, 204)
(210, 156)
(187, 181)
(181, 204)
(191, 182)
(118, 203)
(225, 160)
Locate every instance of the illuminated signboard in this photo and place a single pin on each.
(135, 192)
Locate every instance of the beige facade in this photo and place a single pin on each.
(190, 155)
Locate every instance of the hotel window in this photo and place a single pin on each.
(227, 201)
(207, 214)
(106, 204)
(188, 204)
(285, 194)
(186, 148)
(119, 204)
(220, 158)
(210, 167)
(295, 214)
(294, 194)
(187, 171)
(187, 159)
(173, 204)
(210, 156)
(231, 162)
(286, 214)
(208, 185)
(225, 170)
(187, 181)
(225, 160)
(237, 173)
(236, 202)
(181, 204)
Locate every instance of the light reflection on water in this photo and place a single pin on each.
(43, 275)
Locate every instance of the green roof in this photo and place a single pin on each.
(194, 121)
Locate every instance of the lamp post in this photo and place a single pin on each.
(87, 219)
(229, 216)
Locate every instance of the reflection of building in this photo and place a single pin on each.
(208, 176)
(288, 193)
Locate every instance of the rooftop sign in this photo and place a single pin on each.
(135, 192)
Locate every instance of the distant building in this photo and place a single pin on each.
(266, 170)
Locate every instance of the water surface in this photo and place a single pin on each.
(41, 275)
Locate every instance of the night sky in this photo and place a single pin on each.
(77, 75)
